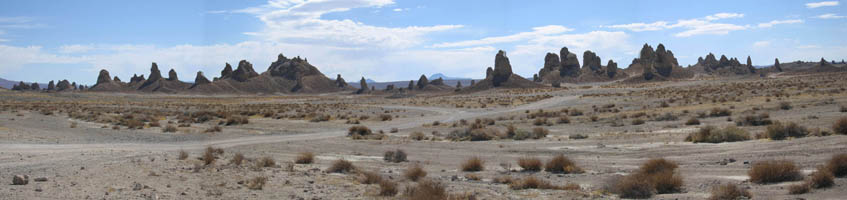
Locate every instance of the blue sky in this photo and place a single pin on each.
(394, 39)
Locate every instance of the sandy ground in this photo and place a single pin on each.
(92, 161)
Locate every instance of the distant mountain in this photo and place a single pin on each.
(9, 83)
(442, 76)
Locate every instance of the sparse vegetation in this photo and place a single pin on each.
(729, 191)
(532, 182)
(711, 134)
(237, 159)
(426, 190)
(256, 183)
(840, 126)
(692, 121)
(265, 162)
(169, 129)
(341, 166)
(387, 188)
(562, 164)
(774, 171)
(530, 164)
(395, 156)
(838, 165)
(305, 158)
(414, 173)
(473, 164)
(182, 155)
(780, 131)
(654, 176)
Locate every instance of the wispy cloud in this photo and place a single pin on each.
(763, 43)
(811, 46)
(400, 9)
(775, 22)
(821, 4)
(830, 16)
(697, 26)
(536, 32)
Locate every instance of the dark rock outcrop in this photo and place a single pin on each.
(363, 87)
(34, 86)
(591, 61)
(551, 64)
(776, 65)
(63, 85)
(437, 82)
(422, 82)
(51, 86)
(502, 69)
(104, 77)
(659, 64)
(339, 82)
(172, 75)
(750, 65)
(244, 71)
(200, 80)
(227, 71)
(570, 64)
(116, 79)
(611, 69)
(136, 79)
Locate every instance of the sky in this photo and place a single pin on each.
(388, 40)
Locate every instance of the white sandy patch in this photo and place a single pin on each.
(352, 158)
(738, 178)
(677, 130)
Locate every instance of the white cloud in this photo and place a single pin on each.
(69, 49)
(536, 32)
(775, 22)
(761, 43)
(297, 21)
(400, 9)
(821, 4)
(724, 16)
(829, 16)
(697, 26)
(638, 27)
(811, 46)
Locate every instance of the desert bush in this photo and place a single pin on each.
(838, 165)
(503, 180)
(666, 182)
(395, 156)
(562, 164)
(237, 159)
(577, 136)
(320, 118)
(637, 122)
(785, 105)
(473, 164)
(657, 165)
(754, 120)
(729, 191)
(840, 126)
(73, 124)
(532, 182)
(774, 172)
(154, 124)
(368, 177)
(182, 155)
(843, 109)
(305, 158)
(778, 131)
(822, 178)
(634, 186)
(385, 117)
(711, 134)
(692, 121)
(473, 177)
(341, 166)
(426, 190)
(387, 188)
(800, 188)
(210, 155)
(538, 132)
(265, 162)
(213, 129)
(530, 164)
(169, 129)
(666, 117)
(417, 136)
(720, 112)
(539, 121)
(256, 183)
(236, 120)
(414, 173)
(359, 130)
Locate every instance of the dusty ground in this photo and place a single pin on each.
(84, 158)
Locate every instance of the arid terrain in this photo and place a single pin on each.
(90, 145)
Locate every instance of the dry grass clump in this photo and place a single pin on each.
(213, 129)
(341, 166)
(692, 121)
(169, 129)
(538, 132)
(474, 164)
(426, 190)
(822, 178)
(729, 191)
(711, 134)
(801, 188)
(838, 165)
(720, 112)
(237, 159)
(387, 188)
(235, 120)
(785, 105)
(637, 122)
(840, 126)
(385, 117)
(395, 156)
(265, 162)
(363, 132)
(654, 176)
(530, 164)
(367, 177)
(414, 173)
(532, 182)
(256, 183)
(562, 164)
(305, 158)
(778, 131)
(754, 120)
(774, 171)
(417, 136)
(211, 154)
(320, 118)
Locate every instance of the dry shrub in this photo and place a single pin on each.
(341, 166)
(359, 130)
(532, 182)
(838, 165)
(387, 188)
(182, 155)
(692, 121)
(236, 120)
(472, 177)
(237, 159)
(785, 105)
(395, 156)
(474, 164)
(210, 155)
(800, 188)
(538, 133)
(657, 165)
(265, 162)
(755, 120)
(503, 180)
(666, 182)
(414, 173)
(822, 178)
(169, 129)
(305, 158)
(711, 134)
(417, 136)
(654, 176)
(563, 120)
(720, 112)
(840, 126)
(637, 122)
(729, 191)
(426, 190)
(256, 183)
(774, 171)
(530, 164)
(778, 131)
(154, 124)
(562, 164)
(213, 129)
(634, 186)
(367, 177)
(385, 117)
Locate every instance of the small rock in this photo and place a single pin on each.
(136, 186)
(20, 180)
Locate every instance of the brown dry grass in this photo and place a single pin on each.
(237, 159)
(801, 188)
(562, 164)
(341, 166)
(265, 162)
(426, 190)
(530, 164)
(182, 155)
(414, 173)
(774, 171)
(368, 177)
(729, 191)
(822, 178)
(838, 165)
(387, 188)
(473, 164)
(840, 126)
(256, 183)
(305, 158)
